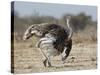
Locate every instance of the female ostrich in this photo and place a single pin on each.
(54, 40)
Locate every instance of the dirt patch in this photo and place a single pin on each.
(29, 59)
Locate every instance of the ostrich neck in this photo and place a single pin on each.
(68, 23)
(69, 29)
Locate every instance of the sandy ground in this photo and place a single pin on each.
(29, 59)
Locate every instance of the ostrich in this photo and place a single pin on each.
(54, 40)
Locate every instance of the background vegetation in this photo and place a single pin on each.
(83, 25)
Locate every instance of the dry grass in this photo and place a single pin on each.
(27, 58)
(88, 35)
(80, 37)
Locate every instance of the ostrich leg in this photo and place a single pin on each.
(67, 51)
(47, 62)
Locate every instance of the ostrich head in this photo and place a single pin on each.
(32, 30)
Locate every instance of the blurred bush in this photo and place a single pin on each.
(79, 23)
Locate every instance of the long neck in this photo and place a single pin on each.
(68, 23)
(70, 32)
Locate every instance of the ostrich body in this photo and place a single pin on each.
(54, 40)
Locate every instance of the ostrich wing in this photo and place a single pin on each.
(40, 30)
(35, 29)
